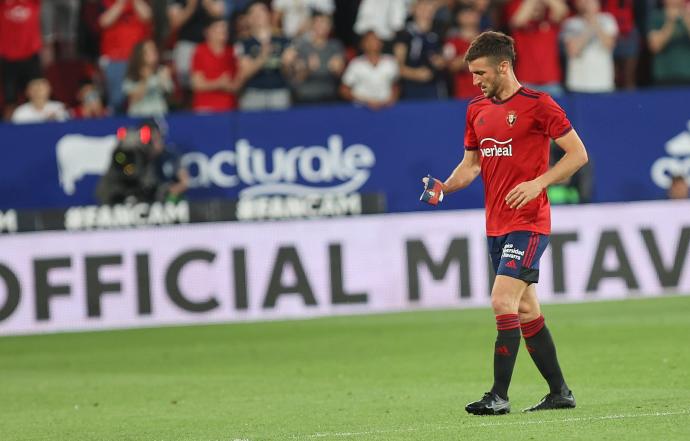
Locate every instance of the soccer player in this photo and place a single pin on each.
(507, 136)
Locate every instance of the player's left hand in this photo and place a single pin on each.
(433, 191)
(523, 193)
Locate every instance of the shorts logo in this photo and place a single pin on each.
(510, 252)
(511, 264)
(511, 118)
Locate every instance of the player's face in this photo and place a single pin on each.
(486, 75)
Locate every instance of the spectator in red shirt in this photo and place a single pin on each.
(214, 71)
(628, 42)
(535, 28)
(468, 21)
(188, 19)
(125, 23)
(20, 44)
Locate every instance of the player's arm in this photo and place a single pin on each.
(464, 173)
(462, 176)
(575, 157)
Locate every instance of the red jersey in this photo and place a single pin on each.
(118, 39)
(536, 49)
(512, 138)
(20, 29)
(212, 66)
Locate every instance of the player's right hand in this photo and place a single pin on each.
(433, 191)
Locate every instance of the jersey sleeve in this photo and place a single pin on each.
(471, 142)
(554, 121)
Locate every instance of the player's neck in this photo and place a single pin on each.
(509, 89)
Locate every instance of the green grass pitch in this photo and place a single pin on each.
(388, 377)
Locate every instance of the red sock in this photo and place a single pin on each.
(530, 329)
(505, 322)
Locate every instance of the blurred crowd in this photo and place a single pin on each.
(62, 59)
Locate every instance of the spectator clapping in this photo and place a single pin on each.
(283, 51)
(146, 84)
(372, 78)
(589, 38)
(20, 44)
(39, 108)
(418, 51)
(215, 79)
(264, 59)
(125, 23)
(319, 63)
(188, 19)
(669, 41)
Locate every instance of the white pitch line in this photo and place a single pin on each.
(581, 419)
(495, 424)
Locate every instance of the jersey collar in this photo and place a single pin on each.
(497, 101)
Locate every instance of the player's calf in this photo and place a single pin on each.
(543, 352)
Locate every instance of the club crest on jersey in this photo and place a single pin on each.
(511, 118)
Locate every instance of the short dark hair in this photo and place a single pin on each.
(495, 45)
(214, 20)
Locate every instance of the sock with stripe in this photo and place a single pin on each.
(543, 352)
(505, 352)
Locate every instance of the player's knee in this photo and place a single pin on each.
(502, 304)
(529, 316)
(525, 309)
